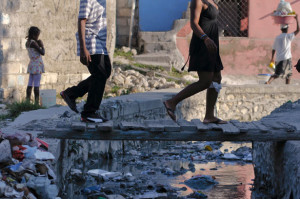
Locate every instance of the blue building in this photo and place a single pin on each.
(159, 15)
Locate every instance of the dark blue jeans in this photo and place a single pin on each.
(94, 85)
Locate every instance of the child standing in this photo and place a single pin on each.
(35, 48)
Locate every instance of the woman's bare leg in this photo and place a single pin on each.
(211, 99)
(205, 80)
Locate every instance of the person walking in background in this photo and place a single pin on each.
(91, 47)
(204, 59)
(36, 50)
(282, 48)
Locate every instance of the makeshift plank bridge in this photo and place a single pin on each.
(182, 130)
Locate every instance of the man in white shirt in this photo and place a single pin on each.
(282, 48)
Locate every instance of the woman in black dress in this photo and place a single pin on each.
(204, 59)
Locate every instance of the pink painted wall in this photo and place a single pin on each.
(250, 56)
(261, 24)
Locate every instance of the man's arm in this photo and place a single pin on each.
(297, 31)
(85, 57)
(273, 54)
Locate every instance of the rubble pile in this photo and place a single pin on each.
(131, 81)
(25, 170)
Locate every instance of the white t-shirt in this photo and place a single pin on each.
(282, 46)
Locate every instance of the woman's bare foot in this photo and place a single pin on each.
(170, 111)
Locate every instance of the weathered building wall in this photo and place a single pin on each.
(261, 24)
(124, 8)
(58, 23)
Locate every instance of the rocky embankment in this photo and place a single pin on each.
(132, 81)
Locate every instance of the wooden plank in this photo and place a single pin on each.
(154, 126)
(229, 129)
(186, 126)
(170, 126)
(106, 126)
(275, 135)
(125, 126)
(81, 126)
(200, 126)
(244, 126)
(215, 127)
(278, 125)
(261, 127)
(271, 124)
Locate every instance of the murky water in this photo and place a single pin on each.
(234, 178)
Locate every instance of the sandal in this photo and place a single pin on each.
(170, 112)
(218, 121)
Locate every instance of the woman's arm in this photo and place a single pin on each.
(37, 47)
(196, 9)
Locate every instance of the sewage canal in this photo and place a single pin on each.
(153, 169)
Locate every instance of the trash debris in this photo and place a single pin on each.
(5, 146)
(43, 155)
(92, 189)
(23, 170)
(208, 148)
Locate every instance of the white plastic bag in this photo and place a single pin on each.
(284, 8)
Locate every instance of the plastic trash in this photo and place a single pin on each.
(29, 151)
(21, 139)
(201, 182)
(43, 187)
(42, 144)
(5, 146)
(43, 155)
(229, 156)
(92, 189)
(208, 148)
(76, 172)
(2, 187)
(12, 193)
(104, 174)
(16, 168)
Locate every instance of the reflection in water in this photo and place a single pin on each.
(234, 180)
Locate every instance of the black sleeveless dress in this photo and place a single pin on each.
(200, 59)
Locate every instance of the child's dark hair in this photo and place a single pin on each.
(33, 31)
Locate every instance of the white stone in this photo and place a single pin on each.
(118, 80)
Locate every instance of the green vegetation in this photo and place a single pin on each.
(115, 89)
(121, 53)
(149, 67)
(177, 74)
(16, 108)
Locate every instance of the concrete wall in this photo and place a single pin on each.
(277, 169)
(244, 103)
(251, 56)
(124, 8)
(58, 23)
